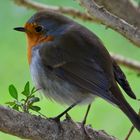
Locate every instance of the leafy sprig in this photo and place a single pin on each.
(25, 104)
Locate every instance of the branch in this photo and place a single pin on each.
(120, 8)
(104, 17)
(132, 64)
(39, 6)
(98, 13)
(29, 126)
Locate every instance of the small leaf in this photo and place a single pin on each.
(26, 91)
(10, 103)
(35, 108)
(13, 92)
(33, 90)
(33, 100)
(16, 107)
(32, 96)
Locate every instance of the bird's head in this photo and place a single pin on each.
(44, 26)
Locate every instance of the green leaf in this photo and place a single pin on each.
(10, 103)
(33, 90)
(16, 107)
(35, 108)
(26, 91)
(13, 92)
(32, 96)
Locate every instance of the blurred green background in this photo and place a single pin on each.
(15, 70)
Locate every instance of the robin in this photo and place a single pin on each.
(71, 65)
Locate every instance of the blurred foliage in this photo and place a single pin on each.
(14, 69)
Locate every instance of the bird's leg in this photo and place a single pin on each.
(85, 117)
(84, 121)
(57, 118)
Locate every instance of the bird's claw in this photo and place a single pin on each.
(85, 131)
(68, 117)
(56, 119)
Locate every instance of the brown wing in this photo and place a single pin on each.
(79, 62)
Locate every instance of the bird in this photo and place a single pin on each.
(71, 66)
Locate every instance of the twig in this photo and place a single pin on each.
(120, 8)
(69, 11)
(99, 14)
(132, 64)
(131, 130)
(104, 17)
(33, 127)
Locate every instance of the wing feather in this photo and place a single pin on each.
(74, 60)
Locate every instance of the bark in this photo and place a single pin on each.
(123, 9)
(112, 21)
(33, 127)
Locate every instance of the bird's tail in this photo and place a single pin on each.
(125, 107)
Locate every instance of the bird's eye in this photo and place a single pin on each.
(38, 29)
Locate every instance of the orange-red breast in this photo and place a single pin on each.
(71, 65)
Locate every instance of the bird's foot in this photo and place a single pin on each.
(88, 137)
(57, 120)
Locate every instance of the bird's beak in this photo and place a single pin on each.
(20, 29)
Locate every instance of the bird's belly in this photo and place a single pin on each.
(57, 89)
